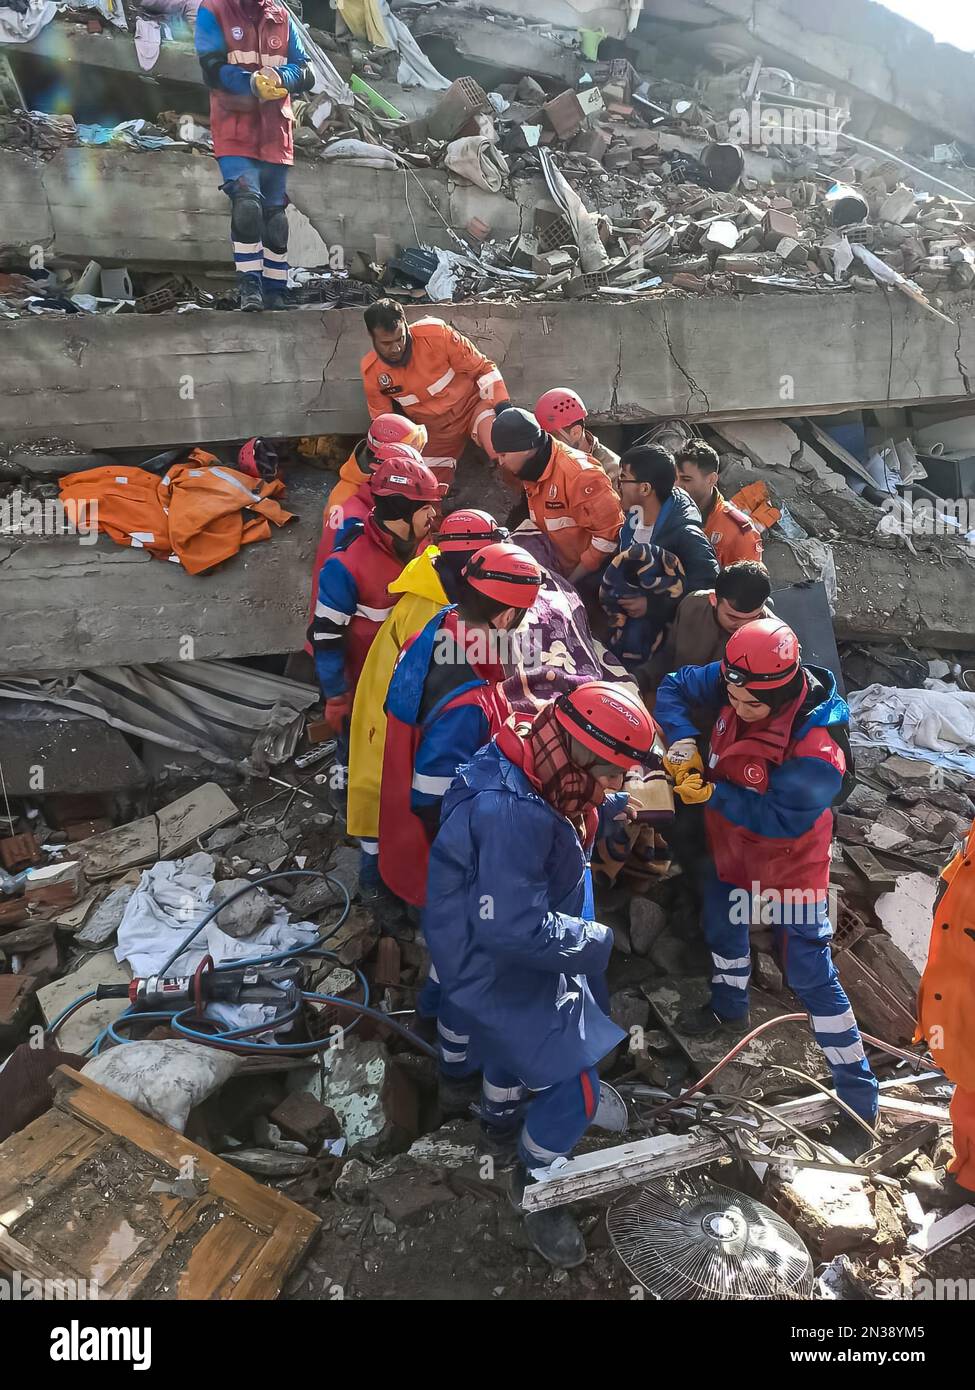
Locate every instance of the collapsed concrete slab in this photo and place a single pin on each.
(461, 43)
(138, 382)
(165, 210)
(876, 53)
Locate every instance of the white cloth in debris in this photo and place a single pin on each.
(474, 158)
(148, 41)
(362, 155)
(937, 725)
(21, 28)
(171, 898)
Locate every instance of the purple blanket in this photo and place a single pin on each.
(559, 651)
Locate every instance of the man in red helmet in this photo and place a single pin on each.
(353, 588)
(509, 935)
(564, 415)
(444, 703)
(778, 760)
(428, 583)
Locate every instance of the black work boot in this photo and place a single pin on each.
(501, 1145)
(456, 1095)
(703, 1022)
(554, 1232)
(251, 297)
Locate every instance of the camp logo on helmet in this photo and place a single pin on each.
(627, 714)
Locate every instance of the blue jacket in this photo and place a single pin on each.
(504, 896)
(679, 529)
(776, 831)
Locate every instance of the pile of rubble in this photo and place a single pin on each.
(642, 185)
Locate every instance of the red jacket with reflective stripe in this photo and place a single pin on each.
(243, 125)
(446, 383)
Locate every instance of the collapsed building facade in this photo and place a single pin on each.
(733, 220)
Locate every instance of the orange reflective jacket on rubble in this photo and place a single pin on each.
(445, 384)
(201, 511)
(946, 1002)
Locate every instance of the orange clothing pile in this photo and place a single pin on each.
(574, 504)
(445, 384)
(201, 511)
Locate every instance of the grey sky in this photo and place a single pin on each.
(951, 21)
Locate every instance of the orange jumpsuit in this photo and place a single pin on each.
(733, 535)
(574, 504)
(946, 1002)
(446, 384)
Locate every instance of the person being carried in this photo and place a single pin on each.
(429, 582)
(564, 415)
(570, 499)
(353, 588)
(778, 760)
(731, 531)
(662, 555)
(434, 376)
(509, 935)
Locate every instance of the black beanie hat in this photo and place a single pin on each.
(516, 431)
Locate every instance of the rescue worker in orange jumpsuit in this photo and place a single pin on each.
(564, 415)
(733, 535)
(570, 498)
(946, 1013)
(434, 376)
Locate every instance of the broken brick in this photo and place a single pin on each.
(300, 1116)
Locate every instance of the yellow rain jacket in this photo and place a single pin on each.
(422, 596)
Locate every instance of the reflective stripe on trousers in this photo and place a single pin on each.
(802, 936)
(552, 1121)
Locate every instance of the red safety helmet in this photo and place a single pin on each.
(504, 572)
(558, 408)
(468, 529)
(395, 429)
(609, 720)
(764, 654)
(401, 472)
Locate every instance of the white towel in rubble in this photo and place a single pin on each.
(935, 724)
(474, 158)
(21, 28)
(171, 898)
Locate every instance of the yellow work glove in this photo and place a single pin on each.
(692, 789)
(267, 88)
(680, 768)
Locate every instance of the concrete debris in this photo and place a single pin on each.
(831, 1211)
(371, 1095)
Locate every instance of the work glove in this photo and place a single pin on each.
(692, 789)
(338, 709)
(683, 766)
(267, 88)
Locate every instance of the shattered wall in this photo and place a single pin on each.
(855, 42)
